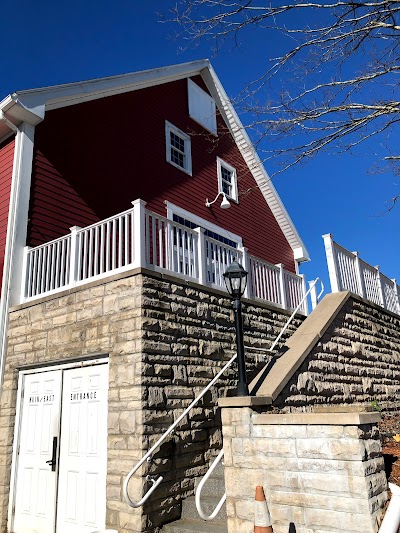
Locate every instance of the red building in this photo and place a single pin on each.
(74, 157)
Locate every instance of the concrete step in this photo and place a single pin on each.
(208, 504)
(212, 492)
(215, 485)
(190, 526)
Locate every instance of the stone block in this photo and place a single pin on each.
(350, 522)
(345, 449)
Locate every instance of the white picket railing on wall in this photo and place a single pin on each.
(348, 272)
(140, 238)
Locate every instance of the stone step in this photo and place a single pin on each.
(215, 485)
(208, 504)
(190, 526)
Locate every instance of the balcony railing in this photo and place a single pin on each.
(348, 272)
(140, 238)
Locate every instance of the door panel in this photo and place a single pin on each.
(83, 450)
(36, 484)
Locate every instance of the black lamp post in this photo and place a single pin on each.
(235, 280)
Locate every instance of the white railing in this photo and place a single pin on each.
(348, 272)
(218, 257)
(170, 246)
(140, 238)
(273, 284)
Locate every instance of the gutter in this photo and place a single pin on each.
(7, 122)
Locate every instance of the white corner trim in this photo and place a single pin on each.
(16, 230)
(173, 209)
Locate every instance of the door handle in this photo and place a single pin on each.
(53, 460)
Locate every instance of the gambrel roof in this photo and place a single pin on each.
(31, 105)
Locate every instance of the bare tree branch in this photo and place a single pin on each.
(337, 84)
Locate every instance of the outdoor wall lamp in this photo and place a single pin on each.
(235, 278)
(225, 204)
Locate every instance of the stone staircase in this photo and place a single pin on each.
(210, 496)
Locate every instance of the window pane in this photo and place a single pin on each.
(177, 157)
(226, 180)
(177, 142)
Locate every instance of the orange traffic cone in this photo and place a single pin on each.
(262, 518)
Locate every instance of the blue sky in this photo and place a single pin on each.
(47, 43)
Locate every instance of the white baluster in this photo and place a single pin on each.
(360, 276)
(282, 286)
(302, 292)
(26, 275)
(74, 256)
(334, 275)
(246, 265)
(396, 296)
(139, 232)
(381, 290)
(201, 256)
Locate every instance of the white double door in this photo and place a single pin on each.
(60, 482)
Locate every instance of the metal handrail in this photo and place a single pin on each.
(147, 456)
(200, 488)
(221, 453)
(312, 285)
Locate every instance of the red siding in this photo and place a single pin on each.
(6, 167)
(92, 159)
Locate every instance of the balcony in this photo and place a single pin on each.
(141, 238)
(348, 272)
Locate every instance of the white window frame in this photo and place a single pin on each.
(187, 147)
(173, 209)
(221, 163)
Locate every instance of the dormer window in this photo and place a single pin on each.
(202, 107)
(178, 149)
(227, 180)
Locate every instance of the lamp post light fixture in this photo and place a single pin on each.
(235, 278)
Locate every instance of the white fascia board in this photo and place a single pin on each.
(254, 163)
(79, 92)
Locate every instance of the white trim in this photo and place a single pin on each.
(173, 209)
(221, 163)
(18, 417)
(78, 92)
(16, 231)
(187, 154)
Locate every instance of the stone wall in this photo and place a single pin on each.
(346, 352)
(356, 361)
(188, 334)
(165, 339)
(102, 319)
(320, 473)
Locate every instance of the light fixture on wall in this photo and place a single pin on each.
(225, 204)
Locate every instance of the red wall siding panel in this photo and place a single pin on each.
(6, 167)
(91, 160)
